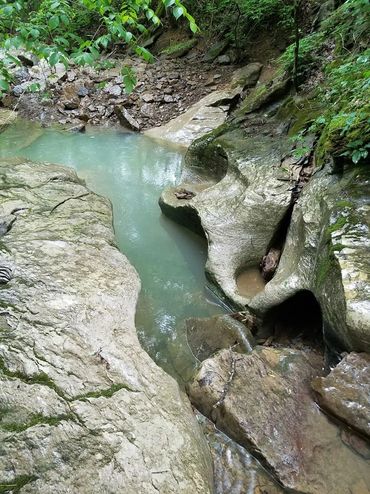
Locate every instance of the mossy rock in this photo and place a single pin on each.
(178, 50)
(264, 94)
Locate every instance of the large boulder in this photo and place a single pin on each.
(263, 401)
(345, 392)
(242, 197)
(83, 408)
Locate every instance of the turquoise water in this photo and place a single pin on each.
(131, 170)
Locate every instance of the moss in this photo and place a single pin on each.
(338, 225)
(106, 393)
(40, 378)
(36, 419)
(180, 49)
(16, 484)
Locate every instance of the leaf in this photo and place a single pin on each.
(4, 86)
(54, 58)
(193, 27)
(53, 22)
(178, 12)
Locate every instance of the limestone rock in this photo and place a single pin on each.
(240, 213)
(263, 401)
(7, 117)
(247, 76)
(345, 392)
(83, 408)
(205, 115)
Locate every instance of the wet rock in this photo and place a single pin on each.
(263, 401)
(77, 128)
(126, 119)
(209, 335)
(83, 407)
(7, 117)
(345, 392)
(236, 471)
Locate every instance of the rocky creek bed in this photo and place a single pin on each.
(286, 377)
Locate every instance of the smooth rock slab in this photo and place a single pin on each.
(202, 117)
(345, 392)
(83, 408)
(263, 401)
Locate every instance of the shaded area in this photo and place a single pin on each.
(298, 318)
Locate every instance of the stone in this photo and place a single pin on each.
(147, 110)
(7, 117)
(114, 90)
(78, 128)
(167, 98)
(209, 335)
(215, 50)
(247, 76)
(202, 117)
(126, 119)
(224, 59)
(236, 471)
(263, 94)
(83, 407)
(263, 401)
(69, 97)
(147, 97)
(82, 91)
(345, 392)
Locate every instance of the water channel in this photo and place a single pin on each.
(132, 170)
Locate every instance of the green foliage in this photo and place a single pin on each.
(78, 30)
(339, 52)
(235, 19)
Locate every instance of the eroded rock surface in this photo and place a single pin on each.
(83, 408)
(345, 392)
(263, 400)
(242, 210)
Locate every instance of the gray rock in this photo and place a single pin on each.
(345, 392)
(147, 97)
(247, 76)
(263, 401)
(83, 407)
(216, 50)
(114, 90)
(82, 91)
(126, 119)
(224, 59)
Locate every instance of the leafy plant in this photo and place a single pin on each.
(61, 31)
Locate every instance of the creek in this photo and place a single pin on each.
(132, 170)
